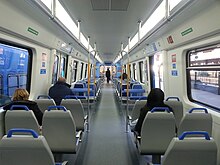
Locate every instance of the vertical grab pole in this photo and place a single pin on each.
(88, 87)
(127, 91)
(88, 93)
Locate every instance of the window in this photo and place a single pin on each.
(156, 71)
(173, 3)
(203, 76)
(74, 73)
(15, 70)
(63, 67)
(134, 71)
(55, 69)
(134, 41)
(86, 71)
(67, 21)
(48, 3)
(141, 71)
(81, 73)
(154, 19)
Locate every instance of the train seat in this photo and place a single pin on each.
(193, 150)
(59, 129)
(157, 131)
(23, 118)
(135, 112)
(44, 102)
(25, 150)
(196, 121)
(76, 108)
(177, 107)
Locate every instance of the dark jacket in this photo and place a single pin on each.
(108, 74)
(59, 91)
(154, 99)
(31, 105)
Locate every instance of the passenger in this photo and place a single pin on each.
(154, 99)
(108, 75)
(60, 90)
(21, 97)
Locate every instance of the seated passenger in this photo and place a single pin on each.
(60, 90)
(154, 99)
(21, 97)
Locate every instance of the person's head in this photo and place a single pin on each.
(61, 79)
(20, 94)
(156, 95)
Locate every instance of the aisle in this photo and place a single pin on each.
(107, 143)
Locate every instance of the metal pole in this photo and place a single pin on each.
(127, 92)
(88, 87)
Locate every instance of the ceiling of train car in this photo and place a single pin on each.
(109, 22)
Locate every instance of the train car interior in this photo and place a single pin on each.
(111, 55)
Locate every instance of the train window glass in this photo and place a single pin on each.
(146, 70)
(1, 84)
(62, 67)
(85, 75)
(48, 3)
(158, 71)
(134, 40)
(75, 65)
(15, 68)
(155, 18)
(91, 73)
(124, 69)
(134, 71)
(173, 3)
(83, 40)
(81, 73)
(141, 71)
(64, 17)
(203, 72)
(55, 69)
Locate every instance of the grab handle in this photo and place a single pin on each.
(14, 130)
(13, 107)
(156, 109)
(173, 97)
(197, 109)
(57, 107)
(205, 134)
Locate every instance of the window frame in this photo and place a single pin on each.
(199, 68)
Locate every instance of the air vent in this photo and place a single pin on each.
(100, 4)
(112, 5)
(119, 5)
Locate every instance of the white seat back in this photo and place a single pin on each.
(177, 107)
(21, 119)
(196, 121)
(43, 104)
(157, 131)
(191, 151)
(136, 109)
(25, 150)
(59, 130)
(77, 111)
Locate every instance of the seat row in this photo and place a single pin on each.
(25, 150)
(58, 127)
(161, 133)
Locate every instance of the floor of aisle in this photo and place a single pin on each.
(107, 142)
